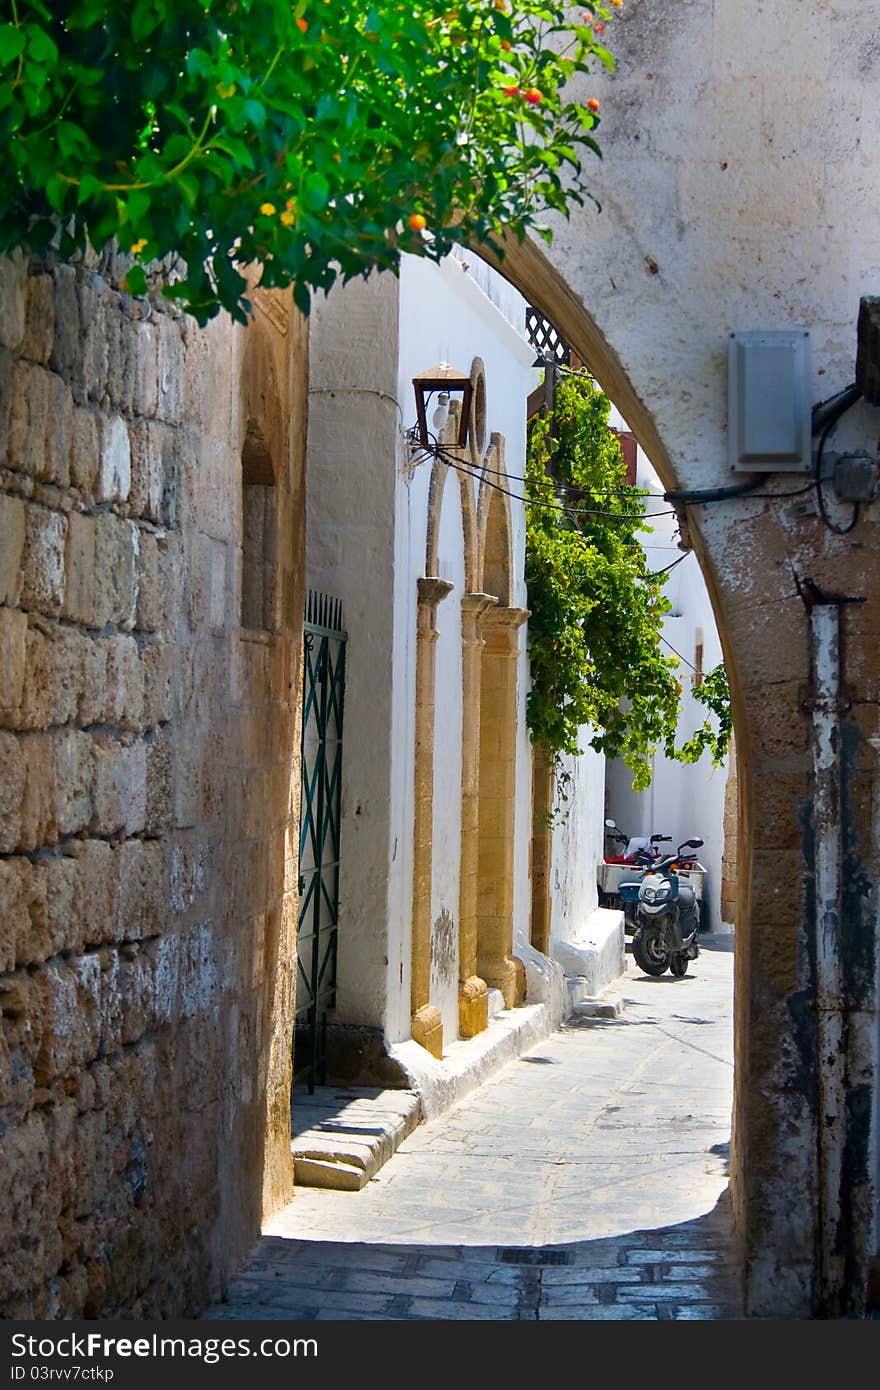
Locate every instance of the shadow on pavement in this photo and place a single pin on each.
(677, 1272)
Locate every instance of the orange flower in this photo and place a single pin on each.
(618, 3)
(416, 222)
(533, 96)
(510, 91)
(599, 26)
(505, 44)
(287, 219)
(267, 209)
(593, 103)
(138, 246)
(302, 25)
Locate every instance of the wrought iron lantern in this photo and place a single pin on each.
(447, 380)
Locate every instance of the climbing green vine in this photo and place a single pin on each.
(313, 138)
(596, 609)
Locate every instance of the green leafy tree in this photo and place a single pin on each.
(312, 137)
(596, 610)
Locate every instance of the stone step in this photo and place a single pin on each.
(343, 1135)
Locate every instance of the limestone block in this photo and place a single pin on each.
(148, 445)
(116, 551)
(121, 354)
(43, 572)
(13, 647)
(66, 654)
(136, 893)
(66, 357)
(96, 861)
(39, 825)
(157, 660)
(79, 568)
(63, 903)
(13, 281)
(171, 372)
(84, 450)
(28, 419)
(73, 780)
(76, 1011)
(35, 709)
(137, 995)
(12, 534)
(114, 461)
(59, 432)
(125, 684)
(23, 935)
(149, 604)
(159, 813)
(93, 695)
(39, 326)
(119, 788)
(146, 381)
(187, 773)
(91, 291)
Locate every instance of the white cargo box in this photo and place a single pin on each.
(610, 875)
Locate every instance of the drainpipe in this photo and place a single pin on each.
(825, 634)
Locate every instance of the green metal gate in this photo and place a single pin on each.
(323, 691)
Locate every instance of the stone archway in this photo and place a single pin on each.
(700, 212)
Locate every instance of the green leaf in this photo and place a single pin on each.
(12, 42)
(40, 46)
(89, 187)
(136, 280)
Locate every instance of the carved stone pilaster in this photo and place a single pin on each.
(426, 1026)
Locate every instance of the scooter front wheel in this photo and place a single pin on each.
(649, 952)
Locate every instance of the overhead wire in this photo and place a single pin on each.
(438, 451)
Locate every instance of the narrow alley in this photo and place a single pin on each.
(588, 1180)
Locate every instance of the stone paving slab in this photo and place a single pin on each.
(343, 1135)
(586, 1180)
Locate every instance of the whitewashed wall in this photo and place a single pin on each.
(577, 844)
(446, 315)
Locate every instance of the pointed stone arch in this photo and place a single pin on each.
(440, 471)
(495, 530)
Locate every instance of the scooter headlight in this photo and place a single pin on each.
(656, 895)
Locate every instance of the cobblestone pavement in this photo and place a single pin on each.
(587, 1180)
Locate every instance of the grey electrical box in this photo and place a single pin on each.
(769, 402)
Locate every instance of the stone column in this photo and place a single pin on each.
(542, 845)
(473, 996)
(427, 1028)
(495, 961)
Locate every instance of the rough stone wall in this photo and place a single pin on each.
(148, 794)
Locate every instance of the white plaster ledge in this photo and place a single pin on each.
(467, 1063)
(596, 952)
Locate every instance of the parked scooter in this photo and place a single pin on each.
(637, 849)
(617, 887)
(667, 915)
